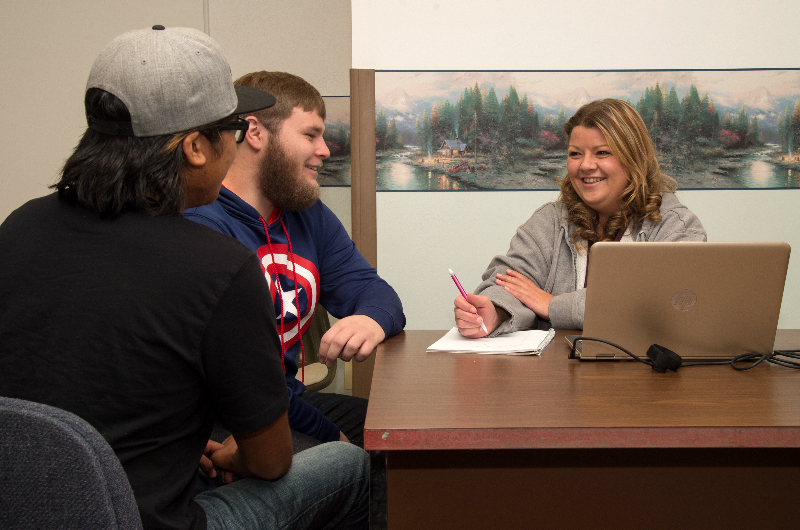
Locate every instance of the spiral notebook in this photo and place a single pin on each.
(528, 342)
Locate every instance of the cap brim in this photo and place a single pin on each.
(252, 99)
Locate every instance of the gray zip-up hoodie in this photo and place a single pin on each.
(543, 250)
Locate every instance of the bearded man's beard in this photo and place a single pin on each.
(282, 181)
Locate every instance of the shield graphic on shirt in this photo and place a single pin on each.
(295, 299)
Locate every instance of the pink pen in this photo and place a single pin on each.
(464, 294)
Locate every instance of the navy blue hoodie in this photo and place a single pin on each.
(329, 270)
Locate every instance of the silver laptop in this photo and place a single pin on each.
(701, 300)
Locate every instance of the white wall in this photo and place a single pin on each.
(422, 234)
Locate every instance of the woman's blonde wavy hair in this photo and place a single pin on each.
(629, 141)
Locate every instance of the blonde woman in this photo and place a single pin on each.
(613, 190)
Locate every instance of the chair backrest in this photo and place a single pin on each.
(317, 376)
(57, 471)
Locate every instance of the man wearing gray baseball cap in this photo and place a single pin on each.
(152, 327)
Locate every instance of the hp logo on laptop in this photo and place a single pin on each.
(684, 300)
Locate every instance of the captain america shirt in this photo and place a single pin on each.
(307, 258)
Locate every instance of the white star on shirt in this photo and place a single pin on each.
(289, 301)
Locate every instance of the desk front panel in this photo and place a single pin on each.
(565, 489)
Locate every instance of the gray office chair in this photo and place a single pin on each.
(57, 471)
(317, 375)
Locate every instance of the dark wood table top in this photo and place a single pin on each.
(423, 400)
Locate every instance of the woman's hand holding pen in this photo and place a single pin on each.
(473, 311)
(527, 292)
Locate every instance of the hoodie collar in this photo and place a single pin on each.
(238, 208)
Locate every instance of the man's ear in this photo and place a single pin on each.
(194, 147)
(257, 135)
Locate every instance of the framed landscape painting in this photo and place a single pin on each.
(503, 130)
(336, 169)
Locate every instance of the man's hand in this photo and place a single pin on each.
(526, 292)
(471, 312)
(207, 466)
(352, 337)
(265, 454)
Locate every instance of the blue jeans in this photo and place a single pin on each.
(327, 487)
(347, 412)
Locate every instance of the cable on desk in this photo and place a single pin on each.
(662, 359)
(776, 357)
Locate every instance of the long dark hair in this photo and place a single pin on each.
(111, 174)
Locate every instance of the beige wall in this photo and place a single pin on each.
(49, 46)
(309, 38)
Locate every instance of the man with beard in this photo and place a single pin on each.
(270, 202)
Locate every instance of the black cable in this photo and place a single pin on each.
(667, 359)
(746, 357)
(776, 357)
(579, 340)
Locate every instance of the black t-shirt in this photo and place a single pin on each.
(148, 328)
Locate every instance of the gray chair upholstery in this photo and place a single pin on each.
(57, 471)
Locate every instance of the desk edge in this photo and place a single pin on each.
(582, 438)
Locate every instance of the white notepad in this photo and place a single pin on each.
(529, 342)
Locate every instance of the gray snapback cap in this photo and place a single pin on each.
(171, 80)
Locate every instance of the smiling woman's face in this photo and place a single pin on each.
(597, 176)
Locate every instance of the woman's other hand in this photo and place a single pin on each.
(526, 292)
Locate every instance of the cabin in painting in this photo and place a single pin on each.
(451, 148)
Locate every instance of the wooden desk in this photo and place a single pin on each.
(475, 441)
